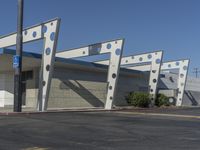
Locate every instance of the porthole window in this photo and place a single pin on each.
(177, 63)
(149, 56)
(181, 75)
(158, 61)
(52, 36)
(47, 67)
(44, 29)
(117, 51)
(43, 83)
(114, 75)
(109, 46)
(34, 34)
(154, 80)
(184, 67)
(25, 32)
(48, 51)
(153, 71)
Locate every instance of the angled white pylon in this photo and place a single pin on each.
(49, 32)
(183, 66)
(115, 49)
(154, 58)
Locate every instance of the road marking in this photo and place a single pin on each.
(160, 114)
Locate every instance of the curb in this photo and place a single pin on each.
(57, 111)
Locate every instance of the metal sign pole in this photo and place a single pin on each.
(17, 60)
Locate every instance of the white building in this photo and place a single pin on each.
(78, 83)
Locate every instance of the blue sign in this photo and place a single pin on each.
(16, 59)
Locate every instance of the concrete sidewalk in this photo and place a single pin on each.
(163, 110)
(10, 109)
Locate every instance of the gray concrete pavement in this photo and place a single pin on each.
(99, 130)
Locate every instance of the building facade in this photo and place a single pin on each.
(80, 84)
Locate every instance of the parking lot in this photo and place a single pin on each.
(117, 130)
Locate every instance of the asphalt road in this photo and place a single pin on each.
(99, 131)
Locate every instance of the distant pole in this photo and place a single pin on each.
(196, 71)
(18, 59)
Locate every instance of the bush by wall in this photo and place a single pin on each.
(162, 100)
(138, 99)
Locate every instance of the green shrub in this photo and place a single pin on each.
(138, 99)
(162, 100)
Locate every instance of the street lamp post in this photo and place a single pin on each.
(17, 60)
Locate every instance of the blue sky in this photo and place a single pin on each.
(147, 25)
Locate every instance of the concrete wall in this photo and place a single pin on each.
(75, 87)
(192, 89)
(6, 88)
(72, 87)
(127, 84)
(2, 90)
(32, 89)
(9, 88)
(192, 92)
